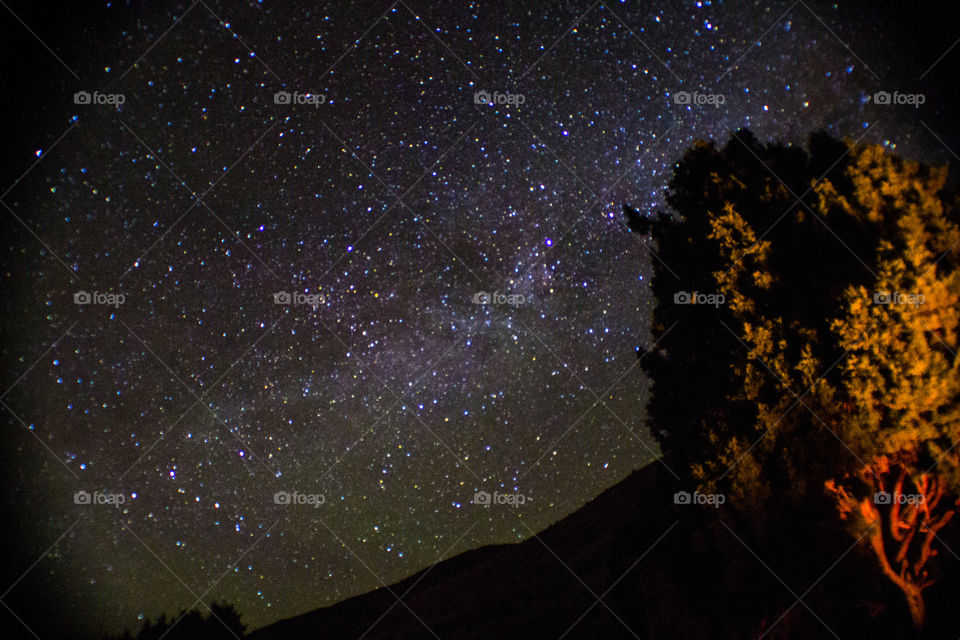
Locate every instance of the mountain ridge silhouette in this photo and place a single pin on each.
(542, 587)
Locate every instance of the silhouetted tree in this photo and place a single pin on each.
(222, 622)
(824, 367)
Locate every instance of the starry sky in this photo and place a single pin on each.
(186, 195)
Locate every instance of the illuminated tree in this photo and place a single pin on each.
(901, 380)
(830, 370)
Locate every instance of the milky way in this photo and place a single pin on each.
(477, 305)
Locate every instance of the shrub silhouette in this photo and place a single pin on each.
(221, 622)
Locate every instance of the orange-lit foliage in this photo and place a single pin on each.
(835, 361)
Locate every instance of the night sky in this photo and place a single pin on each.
(393, 198)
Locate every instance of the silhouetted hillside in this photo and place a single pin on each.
(697, 581)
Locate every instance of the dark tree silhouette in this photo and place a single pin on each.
(221, 622)
(823, 368)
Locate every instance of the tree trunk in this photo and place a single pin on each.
(913, 590)
(915, 601)
(910, 526)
